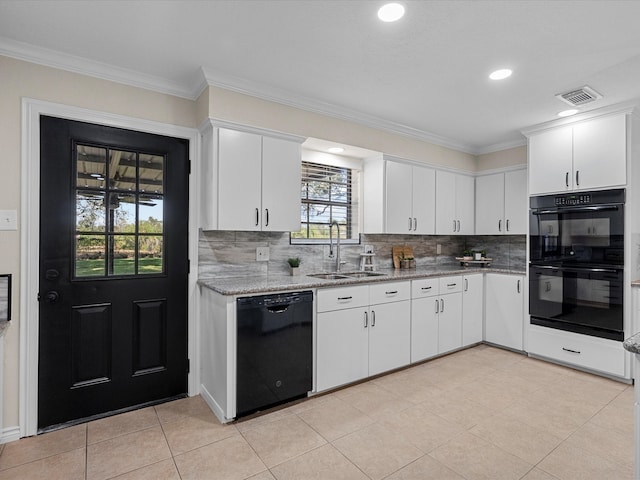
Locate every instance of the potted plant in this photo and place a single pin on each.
(467, 254)
(294, 263)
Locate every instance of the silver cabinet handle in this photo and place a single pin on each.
(566, 179)
(571, 351)
(437, 306)
(507, 224)
(345, 298)
(454, 225)
(366, 319)
(415, 224)
(392, 292)
(425, 288)
(266, 214)
(373, 318)
(577, 178)
(451, 284)
(442, 305)
(409, 223)
(458, 225)
(499, 225)
(257, 216)
(466, 284)
(518, 286)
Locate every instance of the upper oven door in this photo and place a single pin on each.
(579, 235)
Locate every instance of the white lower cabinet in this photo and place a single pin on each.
(504, 310)
(472, 308)
(436, 316)
(361, 335)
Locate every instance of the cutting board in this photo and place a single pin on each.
(398, 252)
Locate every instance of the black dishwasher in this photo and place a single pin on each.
(274, 350)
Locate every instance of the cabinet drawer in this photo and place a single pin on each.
(425, 287)
(342, 297)
(572, 348)
(450, 284)
(389, 292)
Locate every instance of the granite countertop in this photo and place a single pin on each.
(632, 344)
(274, 283)
(635, 283)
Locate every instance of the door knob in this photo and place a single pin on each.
(52, 296)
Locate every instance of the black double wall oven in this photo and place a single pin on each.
(576, 265)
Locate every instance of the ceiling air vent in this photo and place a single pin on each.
(580, 96)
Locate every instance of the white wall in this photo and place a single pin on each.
(502, 159)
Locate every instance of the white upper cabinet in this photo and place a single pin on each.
(455, 200)
(501, 203)
(251, 180)
(587, 155)
(399, 197)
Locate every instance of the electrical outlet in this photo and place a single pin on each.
(262, 254)
(8, 220)
(438, 249)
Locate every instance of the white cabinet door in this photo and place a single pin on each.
(472, 309)
(516, 208)
(599, 153)
(389, 336)
(424, 327)
(490, 204)
(424, 200)
(550, 161)
(504, 310)
(445, 203)
(465, 204)
(450, 322)
(342, 353)
(280, 185)
(399, 218)
(239, 180)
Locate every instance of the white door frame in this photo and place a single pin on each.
(30, 252)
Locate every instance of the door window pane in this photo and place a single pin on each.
(151, 173)
(122, 212)
(90, 256)
(90, 211)
(150, 254)
(122, 258)
(122, 170)
(151, 213)
(91, 167)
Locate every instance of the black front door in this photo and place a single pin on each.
(113, 270)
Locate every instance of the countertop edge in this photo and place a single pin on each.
(632, 344)
(242, 286)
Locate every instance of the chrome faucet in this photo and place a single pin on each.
(337, 243)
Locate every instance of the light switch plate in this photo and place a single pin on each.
(8, 220)
(262, 254)
(438, 249)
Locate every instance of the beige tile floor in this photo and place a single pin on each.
(482, 413)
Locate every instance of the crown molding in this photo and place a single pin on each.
(277, 95)
(497, 147)
(84, 66)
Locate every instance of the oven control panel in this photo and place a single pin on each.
(578, 199)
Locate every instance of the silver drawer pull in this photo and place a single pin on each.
(393, 292)
(451, 284)
(425, 288)
(572, 351)
(345, 298)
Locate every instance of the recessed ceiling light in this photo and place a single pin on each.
(567, 113)
(391, 12)
(501, 74)
(336, 150)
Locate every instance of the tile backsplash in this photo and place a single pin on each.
(233, 254)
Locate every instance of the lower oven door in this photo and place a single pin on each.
(581, 300)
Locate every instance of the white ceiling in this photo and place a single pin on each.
(423, 76)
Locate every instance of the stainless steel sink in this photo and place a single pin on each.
(329, 276)
(363, 274)
(342, 276)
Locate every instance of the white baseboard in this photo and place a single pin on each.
(213, 405)
(10, 434)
